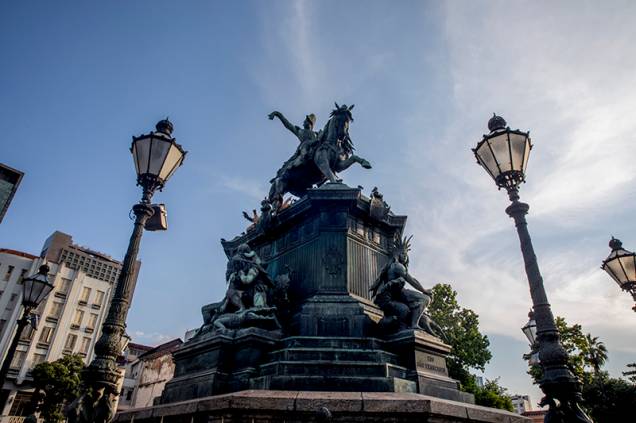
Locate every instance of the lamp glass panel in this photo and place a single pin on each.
(142, 150)
(46, 289)
(27, 288)
(517, 147)
(172, 162)
(499, 145)
(35, 289)
(134, 154)
(610, 271)
(487, 160)
(628, 266)
(615, 268)
(158, 153)
(526, 155)
(530, 330)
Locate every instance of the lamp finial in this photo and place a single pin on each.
(496, 123)
(165, 126)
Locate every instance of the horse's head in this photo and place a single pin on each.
(338, 125)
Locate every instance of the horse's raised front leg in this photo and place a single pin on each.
(345, 164)
(322, 161)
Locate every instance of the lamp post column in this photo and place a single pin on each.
(157, 156)
(103, 373)
(557, 382)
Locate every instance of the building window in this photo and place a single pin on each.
(99, 298)
(8, 274)
(27, 333)
(56, 310)
(92, 321)
(37, 359)
(79, 316)
(45, 335)
(86, 294)
(2, 323)
(13, 297)
(18, 359)
(70, 342)
(65, 286)
(86, 343)
(21, 403)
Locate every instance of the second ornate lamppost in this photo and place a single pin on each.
(157, 156)
(35, 289)
(504, 155)
(621, 266)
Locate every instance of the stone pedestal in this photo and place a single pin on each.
(218, 363)
(309, 407)
(426, 356)
(336, 247)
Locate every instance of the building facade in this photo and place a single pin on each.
(9, 180)
(69, 320)
(126, 362)
(151, 371)
(521, 403)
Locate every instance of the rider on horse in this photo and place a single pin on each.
(319, 156)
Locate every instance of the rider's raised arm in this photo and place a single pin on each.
(287, 124)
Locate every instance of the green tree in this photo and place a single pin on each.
(595, 353)
(631, 374)
(469, 347)
(461, 327)
(57, 383)
(493, 395)
(609, 400)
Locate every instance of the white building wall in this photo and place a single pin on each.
(62, 327)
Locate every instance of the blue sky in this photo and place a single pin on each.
(78, 79)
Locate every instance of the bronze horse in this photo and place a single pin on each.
(332, 153)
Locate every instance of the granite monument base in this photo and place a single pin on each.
(218, 363)
(254, 406)
(410, 361)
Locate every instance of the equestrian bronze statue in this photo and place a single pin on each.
(318, 158)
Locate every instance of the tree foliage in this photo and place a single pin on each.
(493, 395)
(469, 347)
(595, 353)
(607, 400)
(57, 383)
(631, 374)
(461, 327)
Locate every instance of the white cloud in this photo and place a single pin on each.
(544, 68)
(154, 338)
(249, 187)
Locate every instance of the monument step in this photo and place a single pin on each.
(345, 383)
(328, 368)
(333, 354)
(348, 343)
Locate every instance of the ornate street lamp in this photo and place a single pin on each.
(504, 155)
(35, 289)
(621, 266)
(157, 156)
